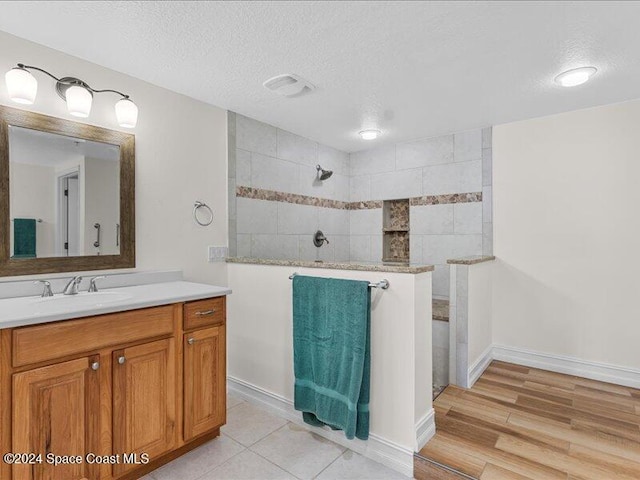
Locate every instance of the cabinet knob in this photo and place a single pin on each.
(206, 313)
(191, 341)
(95, 365)
(121, 359)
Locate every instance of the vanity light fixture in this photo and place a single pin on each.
(23, 86)
(369, 134)
(576, 76)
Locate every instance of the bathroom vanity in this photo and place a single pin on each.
(111, 395)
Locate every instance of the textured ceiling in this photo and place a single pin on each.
(410, 69)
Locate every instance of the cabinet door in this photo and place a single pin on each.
(205, 379)
(144, 402)
(56, 410)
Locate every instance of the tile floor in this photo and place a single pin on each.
(258, 445)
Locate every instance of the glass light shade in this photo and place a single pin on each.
(369, 134)
(78, 101)
(575, 77)
(21, 85)
(126, 113)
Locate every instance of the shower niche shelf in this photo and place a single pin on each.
(395, 231)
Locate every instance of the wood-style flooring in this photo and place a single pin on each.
(519, 423)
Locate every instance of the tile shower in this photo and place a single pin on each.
(276, 203)
(423, 201)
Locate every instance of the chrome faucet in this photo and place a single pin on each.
(92, 284)
(46, 291)
(72, 287)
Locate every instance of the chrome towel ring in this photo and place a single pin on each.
(196, 207)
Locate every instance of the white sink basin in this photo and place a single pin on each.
(63, 303)
(20, 311)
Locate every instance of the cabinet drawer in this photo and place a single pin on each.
(56, 340)
(201, 313)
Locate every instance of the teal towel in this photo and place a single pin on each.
(24, 238)
(331, 353)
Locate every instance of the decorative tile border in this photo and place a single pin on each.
(446, 198)
(275, 196)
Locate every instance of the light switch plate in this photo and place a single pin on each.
(217, 254)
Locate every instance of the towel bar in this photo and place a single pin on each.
(383, 284)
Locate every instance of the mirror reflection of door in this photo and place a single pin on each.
(67, 186)
(69, 218)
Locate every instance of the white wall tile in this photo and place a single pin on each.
(278, 247)
(431, 219)
(487, 140)
(333, 221)
(470, 176)
(453, 178)
(335, 188)
(296, 219)
(244, 245)
(232, 199)
(421, 153)
(360, 188)
(466, 245)
(255, 136)
(487, 204)
(467, 217)
(256, 216)
(309, 252)
(297, 149)
(437, 249)
(487, 166)
(365, 222)
(376, 160)
(341, 248)
(415, 248)
(274, 174)
(400, 184)
(467, 146)
(487, 238)
(332, 159)
(441, 280)
(243, 168)
(359, 248)
(376, 248)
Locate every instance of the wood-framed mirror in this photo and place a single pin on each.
(67, 195)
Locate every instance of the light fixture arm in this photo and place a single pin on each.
(70, 81)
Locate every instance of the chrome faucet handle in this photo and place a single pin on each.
(46, 292)
(92, 284)
(72, 286)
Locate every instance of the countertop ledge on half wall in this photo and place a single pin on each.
(368, 267)
(471, 260)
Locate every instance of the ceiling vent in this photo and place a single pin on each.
(289, 85)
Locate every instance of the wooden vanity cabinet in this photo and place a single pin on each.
(160, 394)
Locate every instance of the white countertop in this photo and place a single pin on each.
(20, 311)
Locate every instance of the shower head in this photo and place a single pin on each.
(322, 173)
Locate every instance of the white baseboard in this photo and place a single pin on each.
(479, 366)
(425, 429)
(376, 448)
(603, 372)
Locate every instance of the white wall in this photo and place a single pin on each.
(101, 205)
(35, 199)
(260, 345)
(180, 157)
(479, 294)
(567, 230)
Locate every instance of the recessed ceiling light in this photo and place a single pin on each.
(369, 134)
(577, 76)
